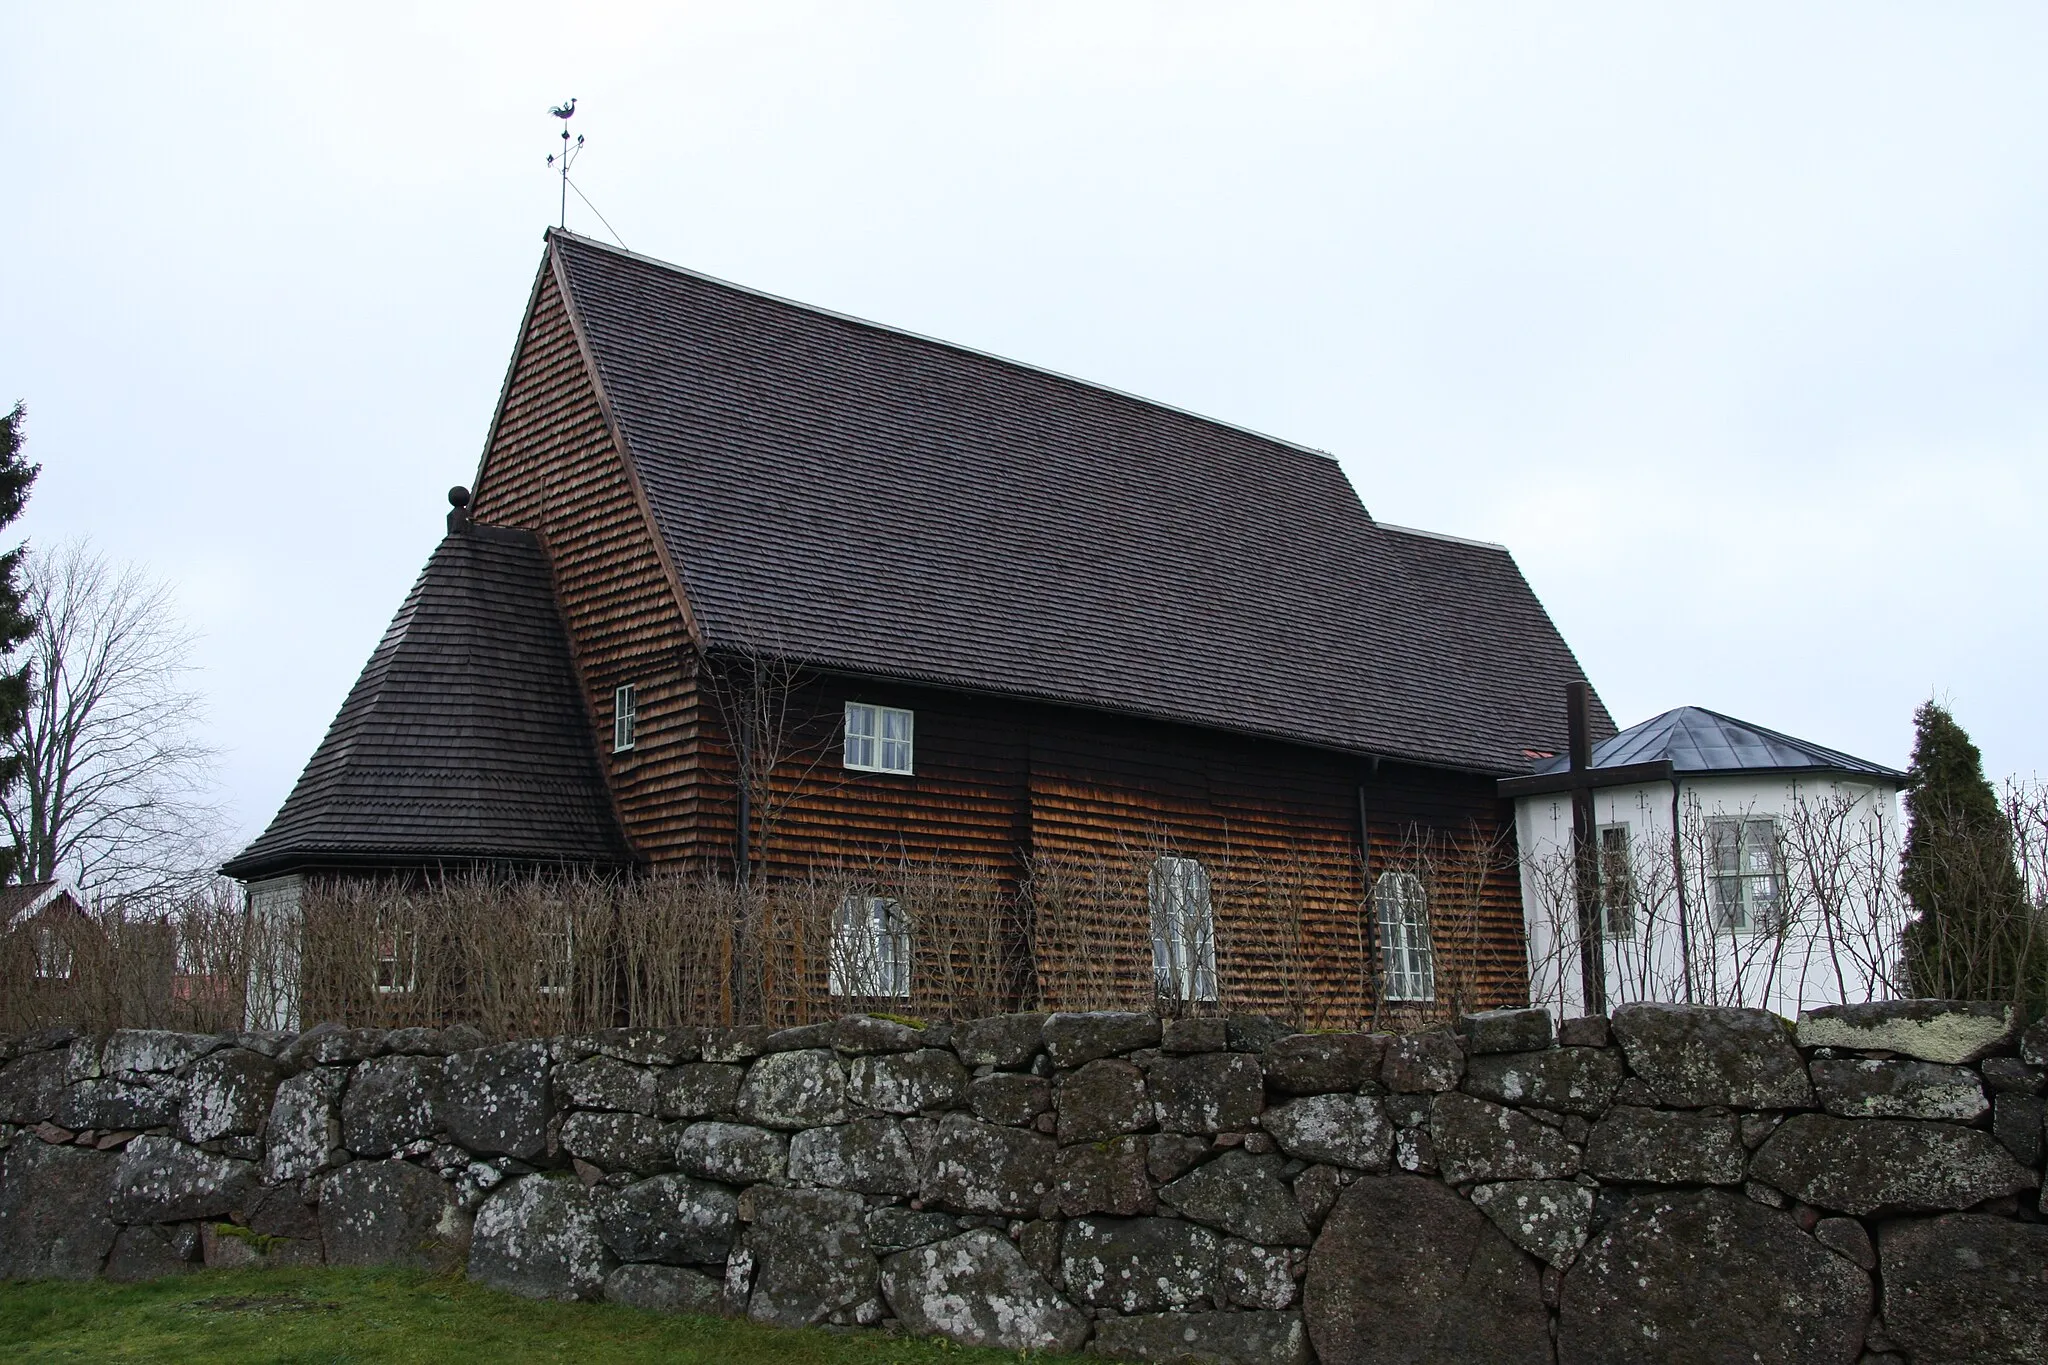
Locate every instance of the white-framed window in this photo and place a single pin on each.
(870, 949)
(625, 718)
(398, 959)
(1407, 960)
(1183, 929)
(1617, 881)
(556, 942)
(52, 953)
(878, 738)
(1748, 890)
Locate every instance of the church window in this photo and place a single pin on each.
(1407, 959)
(878, 738)
(1748, 885)
(625, 719)
(870, 949)
(1617, 882)
(1183, 930)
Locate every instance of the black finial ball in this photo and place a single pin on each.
(458, 496)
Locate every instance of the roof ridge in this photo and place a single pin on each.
(930, 340)
(1444, 535)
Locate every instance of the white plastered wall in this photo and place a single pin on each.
(1838, 944)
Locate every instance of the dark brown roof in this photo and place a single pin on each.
(869, 500)
(465, 738)
(28, 898)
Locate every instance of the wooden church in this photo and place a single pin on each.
(744, 587)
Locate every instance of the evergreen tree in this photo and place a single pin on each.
(1974, 935)
(17, 476)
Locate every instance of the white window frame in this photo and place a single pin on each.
(391, 946)
(870, 949)
(1407, 958)
(1738, 906)
(54, 960)
(879, 739)
(556, 969)
(1183, 929)
(625, 718)
(1618, 896)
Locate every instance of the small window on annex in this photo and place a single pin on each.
(1617, 882)
(625, 719)
(878, 738)
(1407, 959)
(398, 959)
(555, 944)
(1748, 890)
(870, 949)
(1183, 930)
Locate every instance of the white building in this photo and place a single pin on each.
(1735, 865)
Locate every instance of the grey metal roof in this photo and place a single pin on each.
(466, 737)
(1695, 740)
(868, 500)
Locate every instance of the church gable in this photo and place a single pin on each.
(552, 467)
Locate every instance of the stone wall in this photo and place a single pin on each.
(1679, 1184)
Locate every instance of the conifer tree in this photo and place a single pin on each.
(17, 476)
(1974, 935)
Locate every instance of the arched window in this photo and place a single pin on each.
(1407, 961)
(870, 949)
(1183, 930)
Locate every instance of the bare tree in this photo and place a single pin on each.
(114, 781)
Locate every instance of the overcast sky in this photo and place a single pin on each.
(1728, 321)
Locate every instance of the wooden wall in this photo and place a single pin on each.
(1011, 788)
(1016, 787)
(551, 468)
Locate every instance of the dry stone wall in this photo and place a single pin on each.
(1674, 1184)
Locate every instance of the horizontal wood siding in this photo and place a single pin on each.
(1024, 790)
(1063, 808)
(552, 469)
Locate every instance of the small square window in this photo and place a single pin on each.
(625, 718)
(878, 738)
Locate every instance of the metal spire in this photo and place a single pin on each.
(560, 160)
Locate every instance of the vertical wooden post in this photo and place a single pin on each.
(1585, 862)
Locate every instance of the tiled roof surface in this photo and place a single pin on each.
(1695, 740)
(862, 498)
(465, 737)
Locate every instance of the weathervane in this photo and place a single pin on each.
(561, 159)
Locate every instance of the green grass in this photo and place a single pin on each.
(223, 1317)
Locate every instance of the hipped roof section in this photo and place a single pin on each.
(466, 738)
(1703, 743)
(864, 499)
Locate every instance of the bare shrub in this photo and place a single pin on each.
(176, 964)
(1138, 926)
(1823, 917)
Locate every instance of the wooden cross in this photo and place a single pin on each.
(1582, 779)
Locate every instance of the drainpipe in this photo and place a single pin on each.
(1678, 877)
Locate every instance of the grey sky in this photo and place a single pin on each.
(1728, 321)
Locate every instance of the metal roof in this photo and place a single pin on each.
(1693, 739)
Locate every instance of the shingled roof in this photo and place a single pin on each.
(464, 739)
(864, 499)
